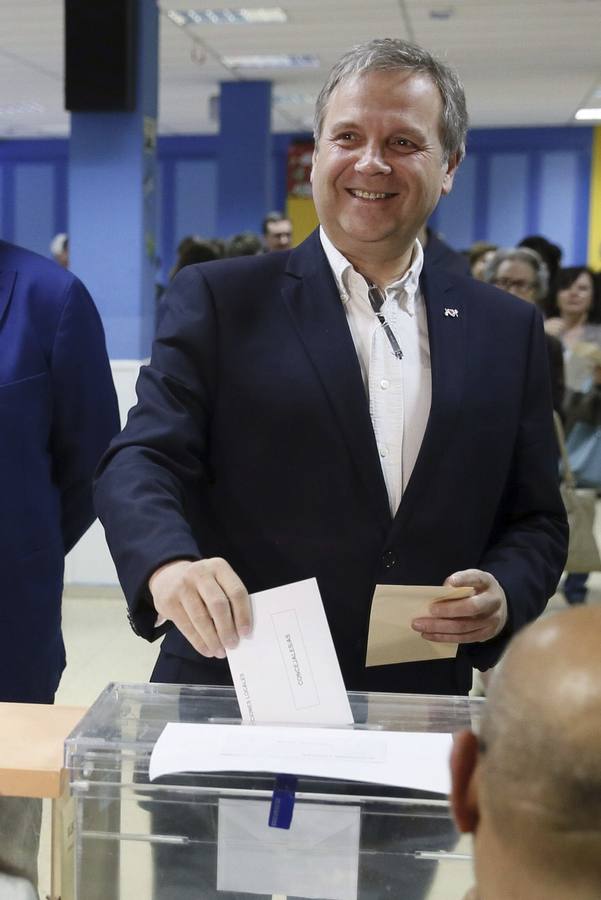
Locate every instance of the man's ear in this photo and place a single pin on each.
(464, 793)
(451, 167)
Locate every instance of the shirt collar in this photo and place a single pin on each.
(404, 289)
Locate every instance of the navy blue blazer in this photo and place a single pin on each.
(252, 440)
(58, 412)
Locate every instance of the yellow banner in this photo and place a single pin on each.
(594, 228)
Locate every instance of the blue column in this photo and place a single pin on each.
(244, 186)
(112, 212)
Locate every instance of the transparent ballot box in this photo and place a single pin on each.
(204, 835)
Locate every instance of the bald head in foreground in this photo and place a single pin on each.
(529, 788)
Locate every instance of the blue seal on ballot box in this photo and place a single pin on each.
(282, 801)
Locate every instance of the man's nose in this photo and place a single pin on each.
(371, 162)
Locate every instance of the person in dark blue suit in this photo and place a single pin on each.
(58, 412)
(343, 411)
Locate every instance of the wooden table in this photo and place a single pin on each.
(32, 737)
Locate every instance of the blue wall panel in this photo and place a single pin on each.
(559, 191)
(159, 228)
(455, 216)
(34, 206)
(244, 173)
(195, 198)
(508, 200)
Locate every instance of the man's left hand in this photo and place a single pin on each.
(477, 618)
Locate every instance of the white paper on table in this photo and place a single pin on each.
(318, 856)
(287, 670)
(404, 759)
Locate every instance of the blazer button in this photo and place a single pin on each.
(389, 559)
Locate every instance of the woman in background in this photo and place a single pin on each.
(575, 318)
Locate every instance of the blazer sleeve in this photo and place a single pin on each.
(85, 414)
(528, 547)
(161, 457)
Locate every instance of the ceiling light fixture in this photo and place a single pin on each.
(177, 17)
(262, 15)
(271, 61)
(588, 115)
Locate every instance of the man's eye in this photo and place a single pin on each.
(403, 142)
(346, 136)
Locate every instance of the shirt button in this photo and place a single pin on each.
(383, 452)
(384, 384)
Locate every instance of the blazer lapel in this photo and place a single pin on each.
(318, 316)
(447, 333)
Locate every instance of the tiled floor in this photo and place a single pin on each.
(101, 648)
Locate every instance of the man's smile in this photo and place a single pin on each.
(369, 195)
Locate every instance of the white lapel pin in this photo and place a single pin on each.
(453, 313)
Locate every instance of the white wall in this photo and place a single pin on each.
(90, 562)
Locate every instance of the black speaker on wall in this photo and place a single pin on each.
(100, 55)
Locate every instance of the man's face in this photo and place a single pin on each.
(379, 168)
(278, 235)
(517, 277)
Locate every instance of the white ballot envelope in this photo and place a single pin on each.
(391, 639)
(318, 856)
(287, 670)
(418, 760)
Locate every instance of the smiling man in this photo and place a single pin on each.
(339, 411)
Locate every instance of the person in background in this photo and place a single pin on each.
(190, 250)
(574, 314)
(195, 250)
(575, 318)
(528, 785)
(551, 255)
(58, 412)
(277, 232)
(220, 246)
(247, 243)
(522, 272)
(59, 249)
(186, 250)
(479, 255)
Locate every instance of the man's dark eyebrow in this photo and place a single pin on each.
(343, 125)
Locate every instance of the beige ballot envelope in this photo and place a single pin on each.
(391, 638)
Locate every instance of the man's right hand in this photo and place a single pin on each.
(205, 600)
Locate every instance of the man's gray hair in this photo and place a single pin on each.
(390, 54)
(524, 255)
